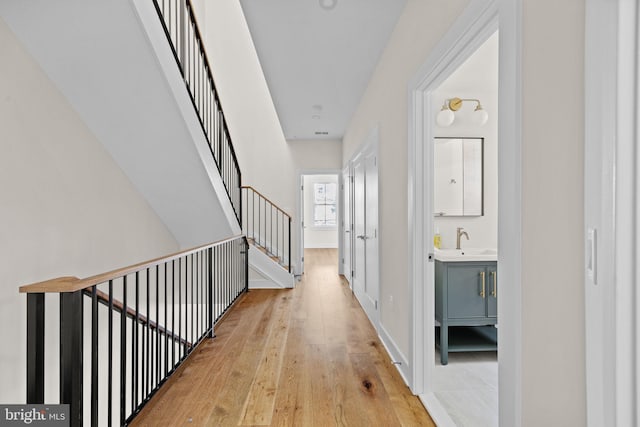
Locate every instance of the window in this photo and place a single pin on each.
(324, 207)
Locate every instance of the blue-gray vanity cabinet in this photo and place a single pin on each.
(466, 295)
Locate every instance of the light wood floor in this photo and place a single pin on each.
(301, 357)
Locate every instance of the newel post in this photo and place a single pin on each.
(71, 354)
(246, 263)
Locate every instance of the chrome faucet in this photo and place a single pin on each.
(460, 233)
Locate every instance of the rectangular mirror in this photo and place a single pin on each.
(458, 181)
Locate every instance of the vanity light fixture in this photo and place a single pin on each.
(446, 115)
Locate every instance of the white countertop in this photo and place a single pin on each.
(470, 254)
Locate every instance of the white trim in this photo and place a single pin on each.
(269, 269)
(262, 284)
(438, 413)
(397, 357)
(611, 208)
(625, 363)
(475, 25)
(343, 234)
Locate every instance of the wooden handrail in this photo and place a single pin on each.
(267, 199)
(73, 284)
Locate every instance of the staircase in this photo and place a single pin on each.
(137, 73)
(165, 123)
(268, 230)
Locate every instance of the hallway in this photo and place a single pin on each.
(301, 357)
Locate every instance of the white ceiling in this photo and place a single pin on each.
(318, 61)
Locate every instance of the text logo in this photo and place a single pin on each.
(34, 415)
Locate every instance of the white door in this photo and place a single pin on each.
(302, 225)
(371, 235)
(365, 214)
(346, 225)
(359, 247)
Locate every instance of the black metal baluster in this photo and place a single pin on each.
(210, 290)
(192, 295)
(166, 325)
(216, 285)
(203, 294)
(94, 356)
(146, 351)
(186, 309)
(35, 348)
(123, 353)
(227, 271)
(246, 265)
(198, 281)
(110, 368)
(136, 368)
(157, 330)
(290, 245)
(71, 370)
(179, 308)
(173, 314)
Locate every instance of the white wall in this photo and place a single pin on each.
(268, 162)
(66, 208)
(553, 332)
(385, 104)
(314, 236)
(251, 116)
(311, 156)
(476, 78)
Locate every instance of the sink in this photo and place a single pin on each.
(469, 254)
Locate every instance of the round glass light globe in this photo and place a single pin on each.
(445, 118)
(480, 117)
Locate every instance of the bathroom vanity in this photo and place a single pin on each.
(466, 288)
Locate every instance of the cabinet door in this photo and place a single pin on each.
(492, 292)
(464, 291)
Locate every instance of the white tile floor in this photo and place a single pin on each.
(467, 388)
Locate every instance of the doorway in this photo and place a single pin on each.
(319, 212)
(477, 24)
(463, 176)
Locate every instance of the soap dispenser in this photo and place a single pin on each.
(437, 240)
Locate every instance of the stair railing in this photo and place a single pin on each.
(122, 334)
(267, 226)
(181, 29)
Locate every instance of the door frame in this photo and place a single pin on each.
(300, 211)
(344, 221)
(612, 185)
(475, 25)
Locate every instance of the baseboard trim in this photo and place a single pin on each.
(438, 413)
(399, 360)
(263, 284)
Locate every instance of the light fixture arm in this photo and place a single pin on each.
(455, 104)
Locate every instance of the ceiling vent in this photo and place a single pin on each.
(322, 133)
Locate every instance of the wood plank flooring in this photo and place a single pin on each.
(301, 357)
